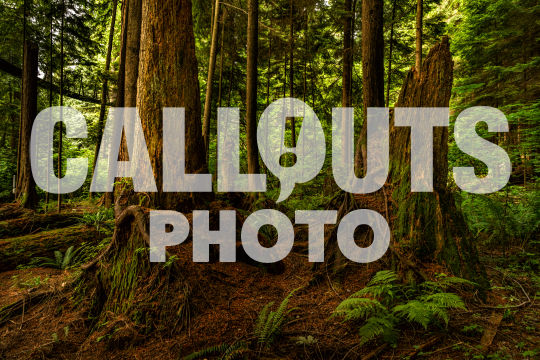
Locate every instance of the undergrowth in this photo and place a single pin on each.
(384, 305)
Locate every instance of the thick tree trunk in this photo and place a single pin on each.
(168, 78)
(419, 31)
(211, 68)
(372, 68)
(347, 55)
(251, 87)
(427, 226)
(26, 188)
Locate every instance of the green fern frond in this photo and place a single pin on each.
(358, 308)
(377, 291)
(444, 300)
(270, 323)
(58, 259)
(377, 326)
(212, 350)
(414, 311)
(383, 277)
(68, 256)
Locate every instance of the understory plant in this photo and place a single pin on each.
(384, 304)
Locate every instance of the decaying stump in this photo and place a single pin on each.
(426, 227)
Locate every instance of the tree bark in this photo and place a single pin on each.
(419, 31)
(428, 225)
(372, 68)
(61, 127)
(211, 68)
(26, 188)
(221, 53)
(291, 67)
(133, 42)
(251, 87)
(347, 55)
(168, 77)
(389, 74)
(104, 87)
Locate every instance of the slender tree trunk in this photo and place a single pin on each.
(25, 15)
(251, 86)
(211, 68)
(347, 55)
(104, 87)
(268, 69)
(221, 52)
(51, 75)
(353, 22)
(419, 31)
(131, 74)
(121, 83)
(26, 188)
(168, 77)
(132, 52)
(372, 68)
(61, 128)
(390, 52)
(291, 67)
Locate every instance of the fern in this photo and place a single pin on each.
(383, 305)
(379, 326)
(60, 261)
(270, 323)
(212, 350)
(358, 308)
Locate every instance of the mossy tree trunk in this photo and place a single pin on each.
(427, 227)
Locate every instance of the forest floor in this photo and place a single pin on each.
(49, 323)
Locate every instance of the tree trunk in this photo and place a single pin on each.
(221, 52)
(211, 68)
(347, 55)
(132, 38)
(389, 74)
(428, 225)
(104, 87)
(372, 68)
(168, 77)
(61, 127)
(291, 67)
(26, 188)
(419, 30)
(133, 42)
(251, 86)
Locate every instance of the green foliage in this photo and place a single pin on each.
(60, 261)
(269, 323)
(224, 351)
(384, 304)
(104, 218)
(504, 218)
